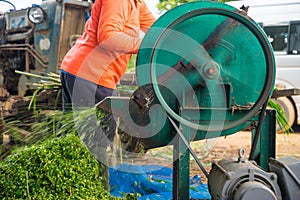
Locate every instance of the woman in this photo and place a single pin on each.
(94, 65)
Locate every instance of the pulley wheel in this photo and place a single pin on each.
(215, 60)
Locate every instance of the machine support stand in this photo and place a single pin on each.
(258, 130)
(266, 142)
(181, 161)
(181, 167)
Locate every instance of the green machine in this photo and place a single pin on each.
(204, 70)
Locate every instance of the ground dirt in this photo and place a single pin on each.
(216, 149)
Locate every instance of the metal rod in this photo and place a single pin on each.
(189, 147)
(9, 3)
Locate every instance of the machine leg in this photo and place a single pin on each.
(266, 146)
(181, 168)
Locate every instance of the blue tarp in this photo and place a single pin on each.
(151, 182)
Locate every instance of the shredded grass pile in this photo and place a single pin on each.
(59, 168)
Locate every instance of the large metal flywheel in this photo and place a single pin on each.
(213, 59)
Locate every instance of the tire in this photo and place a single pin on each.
(288, 108)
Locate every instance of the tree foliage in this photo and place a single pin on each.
(165, 5)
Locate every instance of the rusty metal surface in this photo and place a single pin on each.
(285, 92)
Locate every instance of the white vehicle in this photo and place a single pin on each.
(280, 20)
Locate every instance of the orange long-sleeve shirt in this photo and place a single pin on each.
(111, 35)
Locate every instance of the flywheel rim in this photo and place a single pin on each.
(270, 69)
